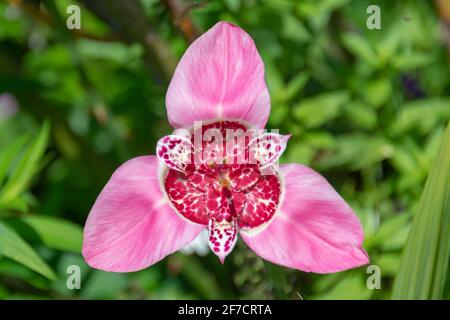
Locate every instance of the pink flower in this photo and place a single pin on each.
(155, 205)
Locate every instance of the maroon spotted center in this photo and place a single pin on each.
(222, 192)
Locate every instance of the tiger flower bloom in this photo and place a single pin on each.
(203, 177)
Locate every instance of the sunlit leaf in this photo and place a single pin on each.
(56, 233)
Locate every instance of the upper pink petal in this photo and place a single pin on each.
(220, 76)
(132, 225)
(314, 230)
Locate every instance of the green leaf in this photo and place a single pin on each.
(110, 51)
(56, 233)
(13, 247)
(389, 230)
(200, 278)
(378, 91)
(352, 287)
(27, 167)
(278, 279)
(293, 29)
(357, 151)
(19, 204)
(360, 47)
(7, 156)
(422, 114)
(10, 268)
(315, 111)
(424, 263)
(412, 60)
(391, 41)
(389, 263)
(360, 115)
(292, 88)
(104, 285)
(316, 8)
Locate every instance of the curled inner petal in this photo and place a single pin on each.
(175, 151)
(261, 202)
(267, 148)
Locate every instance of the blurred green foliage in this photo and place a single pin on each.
(367, 109)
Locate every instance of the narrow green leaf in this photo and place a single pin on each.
(19, 204)
(27, 166)
(13, 247)
(8, 154)
(56, 233)
(425, 258)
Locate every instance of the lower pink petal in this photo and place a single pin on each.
(132, 225)
(314, 230)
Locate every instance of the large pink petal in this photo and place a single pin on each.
(221, 76)
(314, 230)
(131, 225)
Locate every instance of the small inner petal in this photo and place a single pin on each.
(243, 176)
(261, 202)
(200, 176)
(188, 200)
